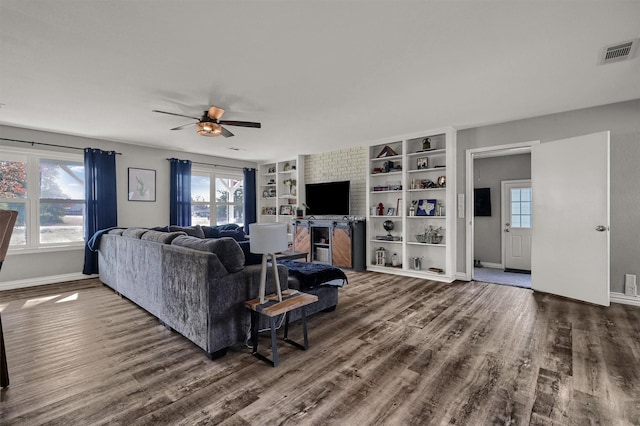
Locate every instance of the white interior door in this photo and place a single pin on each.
(516, 224)
(570, 250)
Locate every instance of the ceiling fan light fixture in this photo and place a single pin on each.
(207, 128)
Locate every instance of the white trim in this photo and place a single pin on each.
(50, 279)
(462, 276)
(471, 154)
(16, 251)
(615, 297)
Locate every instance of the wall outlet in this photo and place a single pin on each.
(630, 285)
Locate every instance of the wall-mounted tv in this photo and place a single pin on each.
(328, 199)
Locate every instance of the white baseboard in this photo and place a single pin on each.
(50, 279)
(622, 298)
(492, 265)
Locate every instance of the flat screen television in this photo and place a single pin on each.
(328, 199)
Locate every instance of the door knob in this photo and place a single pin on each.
(601, 228)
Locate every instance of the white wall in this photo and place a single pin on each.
(489, 173)
(623, 121)
(346, 164)
(130, 213)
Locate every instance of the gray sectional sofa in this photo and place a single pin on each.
(195, 286)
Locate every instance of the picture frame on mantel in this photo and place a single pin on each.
(142, 185)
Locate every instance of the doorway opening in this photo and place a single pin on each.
(499, 239)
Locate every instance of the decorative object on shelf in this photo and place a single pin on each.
(412, 209)
(378, 188)
(381, 257)
(291, 183)
(268, 239)
(269, 211)
(380, 209)
(395, 260)
(285, 209)
(442, 182)
(399, 208)
(426, 144)
(388, 226)
(391, 211)
(271, 182)
(272, 192)
(286, 167)
(271, 169)
(387, 151)
(299, 212)
(422, 163)
(265, 194)
(377, 170)
(416, 263)
(394, 186)
(436, 270)
(142, 184)
(426, 207)
(440, 207)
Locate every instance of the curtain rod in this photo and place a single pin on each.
(214, 165)
(47, 144)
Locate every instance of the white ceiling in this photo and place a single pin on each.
(319, 75)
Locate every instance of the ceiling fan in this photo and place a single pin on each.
(210, 124)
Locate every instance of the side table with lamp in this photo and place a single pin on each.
(268, 239)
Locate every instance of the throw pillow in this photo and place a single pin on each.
(194, 231)
(134, 232)
(214, 231)
(249, 258)
(236, 234)
(227, 250)
(161, 237)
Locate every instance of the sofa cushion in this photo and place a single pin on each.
(194, 231)
(161, 237)
(214, 231)
(227, 250)
(134, 232)
(117, 231)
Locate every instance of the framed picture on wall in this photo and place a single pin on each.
(142, 184)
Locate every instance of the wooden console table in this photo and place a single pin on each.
(291, 299)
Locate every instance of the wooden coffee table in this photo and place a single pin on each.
(291, 299)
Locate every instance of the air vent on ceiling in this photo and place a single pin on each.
(618, 52)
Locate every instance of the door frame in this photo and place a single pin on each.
(503, 219)
(471, 155)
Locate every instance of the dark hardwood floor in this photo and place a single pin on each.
(397, 351)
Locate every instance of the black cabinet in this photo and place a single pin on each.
(339, 243)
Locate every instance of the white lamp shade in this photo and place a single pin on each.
(268, 237)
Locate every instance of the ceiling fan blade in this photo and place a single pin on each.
(226, 133)
(173, 113)
(183, 126)
(215, 112)
(241, 123)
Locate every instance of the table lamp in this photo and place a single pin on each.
(268, 239)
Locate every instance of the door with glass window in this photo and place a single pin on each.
(516, 224)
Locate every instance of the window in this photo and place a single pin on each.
(47, 190)
(227, 193)
(521, 207)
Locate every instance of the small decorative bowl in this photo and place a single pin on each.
(437, 239)
(421, 238)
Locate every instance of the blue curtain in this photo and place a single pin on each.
(180, 193)
(100, 198)
(250, 214)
